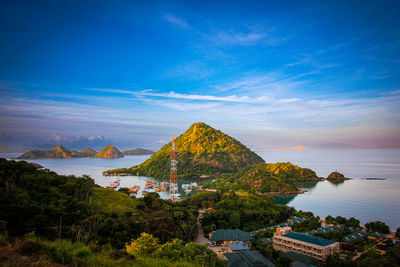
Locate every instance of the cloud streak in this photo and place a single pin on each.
(176, 21)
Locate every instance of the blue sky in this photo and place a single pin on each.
(269, 73)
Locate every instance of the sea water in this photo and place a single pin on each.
(366, 200)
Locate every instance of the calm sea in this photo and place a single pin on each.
(367, 200)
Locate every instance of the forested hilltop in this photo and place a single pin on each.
(201, 151)
(278, 177)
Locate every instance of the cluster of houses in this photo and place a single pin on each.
(303, 249)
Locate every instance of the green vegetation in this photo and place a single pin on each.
(336, 176)
(138, 151)
(109, 152)
(398, 232)
(334, 235)
(265, 178)
(352, 222)
(60, 152)
(57, 206)
(238, 211)
(201, 150)
(378, 226)
(147, 245)
(87, 152)
(33, 251)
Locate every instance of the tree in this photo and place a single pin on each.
(378, 226)
(172, 250)
(398, 232)
(146, 244)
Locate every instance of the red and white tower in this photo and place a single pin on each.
(173, 177)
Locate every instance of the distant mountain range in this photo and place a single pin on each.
(60, 152)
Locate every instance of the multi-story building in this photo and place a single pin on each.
(315, 247)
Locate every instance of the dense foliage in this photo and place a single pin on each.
(148, 245)
(265, 178)
(378, 226)
(240, 211)
(57, 206)
(351, 222)
(201, 150)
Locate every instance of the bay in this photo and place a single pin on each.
(366, 200)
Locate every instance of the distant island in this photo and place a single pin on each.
(60, 152)
(202, 151)
(336, 176)
(138, 151)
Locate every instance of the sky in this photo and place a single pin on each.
(272, 74)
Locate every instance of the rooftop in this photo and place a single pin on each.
(309, 239)
(248, 258)
(235, 246)
(230, 235)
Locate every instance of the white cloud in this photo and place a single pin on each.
(176, 21)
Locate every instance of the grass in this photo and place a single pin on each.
(109, 200)
(37, 252)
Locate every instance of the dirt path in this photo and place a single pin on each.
(200, 239)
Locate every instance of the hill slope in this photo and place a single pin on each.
(87, 152)
(138, 151)
(202, 150)
(109, 152)
(266, 178)
(58, 152)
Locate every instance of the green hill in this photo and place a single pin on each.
(266, 178)
(336, 176)
(58, 152)
(138, 151)
(87, 152)
(109, 152)
(202, 150)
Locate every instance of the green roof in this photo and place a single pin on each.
(309, 239)
(230, 235)
(248, 258)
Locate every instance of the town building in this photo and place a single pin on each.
(237, 246)
(248, 258)
(315, 247)
(227, 236)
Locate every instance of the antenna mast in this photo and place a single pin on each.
(173, 179)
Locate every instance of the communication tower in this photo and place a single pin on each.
(173, 178)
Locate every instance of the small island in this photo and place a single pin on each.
(138, 151)
(337, 176)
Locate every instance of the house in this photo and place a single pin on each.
(237, 246)
(308, 245)
(248, 258)
(227, 236)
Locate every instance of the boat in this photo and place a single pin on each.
(144, 192)
(157, 189)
